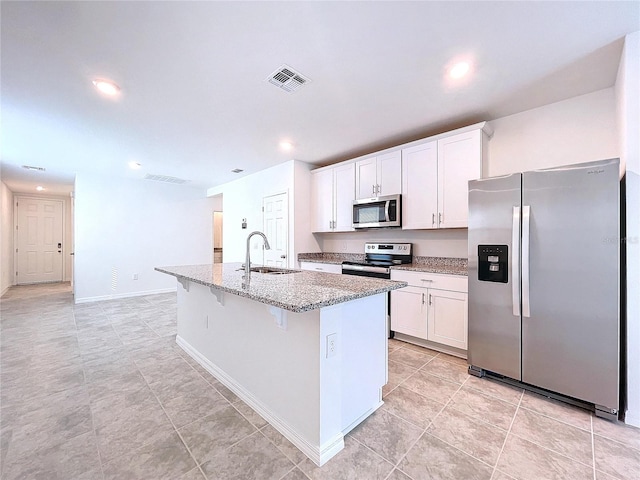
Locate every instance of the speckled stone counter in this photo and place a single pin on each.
(443, 265)
(333, 258)
(300, 291)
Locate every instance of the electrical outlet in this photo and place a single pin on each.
(135, 276)
(332, 345)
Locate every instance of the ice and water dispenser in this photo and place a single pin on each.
(492, 263)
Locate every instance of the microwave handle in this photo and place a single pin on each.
(387, 204)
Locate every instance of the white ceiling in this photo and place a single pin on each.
(195, 102)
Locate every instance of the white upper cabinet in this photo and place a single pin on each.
(379, 175)
(459, 160)
(322, 200)
(343, 184)
(431, 174)
(332, 195)
(435, 178)
(420, 186)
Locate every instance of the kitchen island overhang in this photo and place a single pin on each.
(306, 350)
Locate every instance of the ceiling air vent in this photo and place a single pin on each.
(288, 79)
(165, 179)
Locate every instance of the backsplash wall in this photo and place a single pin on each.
(426, 243)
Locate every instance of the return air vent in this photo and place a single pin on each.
(288, 79)
(165, 179)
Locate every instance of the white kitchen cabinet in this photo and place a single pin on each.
(408, 312)
(435, 178)
(321, 267)
(420, 186)
(433, 307)
(332, 195)
(379, 175)
(459, 160)
(447, 318)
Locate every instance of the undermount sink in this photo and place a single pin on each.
(270, 271)
(273, 271)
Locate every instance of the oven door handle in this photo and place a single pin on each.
(365, 268)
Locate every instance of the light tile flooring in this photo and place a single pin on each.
(101, 391)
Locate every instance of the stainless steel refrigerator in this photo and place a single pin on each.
(544, 280)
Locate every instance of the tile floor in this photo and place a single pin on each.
(101, 391)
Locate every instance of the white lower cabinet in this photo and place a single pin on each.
(433, 307)
(408, 312)
(447, 318)
(321, 267)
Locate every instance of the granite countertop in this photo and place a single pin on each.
(442, 265)
(301, 291)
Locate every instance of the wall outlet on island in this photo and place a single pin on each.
(332, 345)
(134, 276)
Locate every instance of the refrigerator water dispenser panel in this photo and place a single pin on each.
(493, 263)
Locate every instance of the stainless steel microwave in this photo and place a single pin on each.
(379, 212)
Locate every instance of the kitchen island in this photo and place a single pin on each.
(306, 350)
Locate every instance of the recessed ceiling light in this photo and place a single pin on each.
(286, 145)
(459, 70)
(106, 86)
(39, 188)
(135, 165)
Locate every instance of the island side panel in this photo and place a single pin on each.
(277, 368)
(364, 357)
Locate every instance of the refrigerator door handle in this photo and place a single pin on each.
(526, 214)
(515, 261)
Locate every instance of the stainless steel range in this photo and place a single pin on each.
(379, 257)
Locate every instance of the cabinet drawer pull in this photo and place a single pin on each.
(423, 298)
(426, 280)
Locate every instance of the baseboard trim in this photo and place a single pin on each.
(317, 454)
(124, 295)
(632, 419)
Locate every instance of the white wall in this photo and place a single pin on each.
(577, 130)
(243, 199)
(628, 115)
(435, 243)
(6, 238)
(125, 227)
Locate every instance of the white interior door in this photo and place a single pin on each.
(39, 240)
(276, 227)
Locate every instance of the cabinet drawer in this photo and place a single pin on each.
(456, 283)
(321, 267)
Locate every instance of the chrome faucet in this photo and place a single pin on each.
(247, 264)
